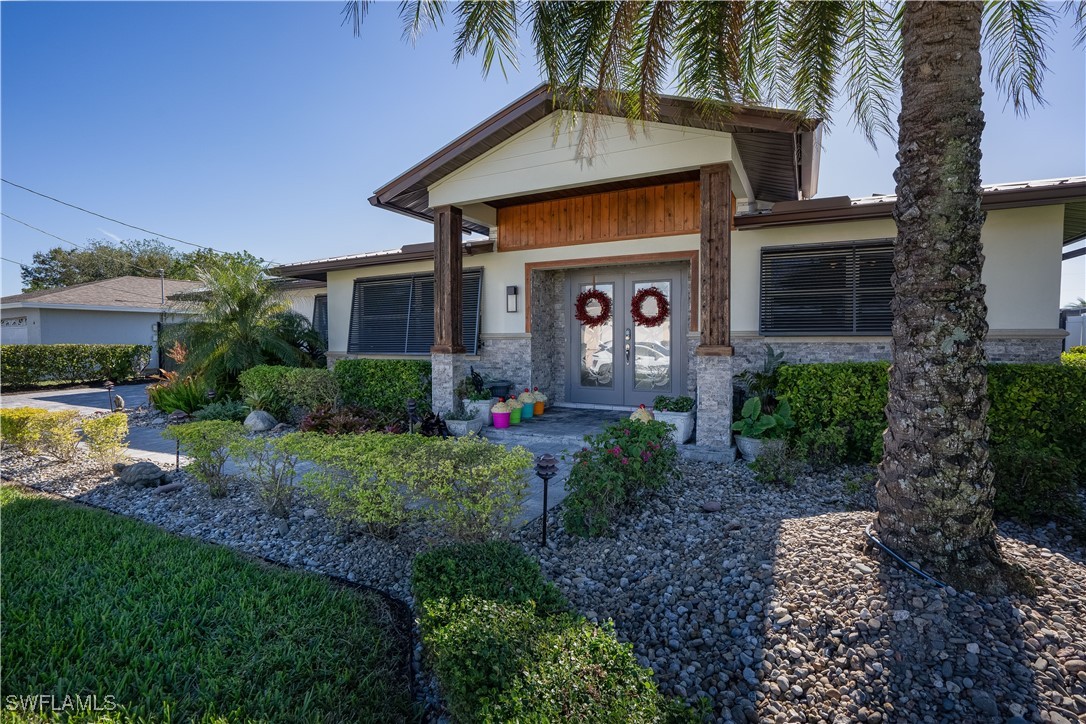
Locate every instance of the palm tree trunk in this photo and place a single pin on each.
(935, 481)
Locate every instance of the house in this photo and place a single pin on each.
(718, 221)
(123, 310)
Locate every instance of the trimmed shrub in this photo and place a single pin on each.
(470, 487)
(1074, 359)
(473, 487)
(208, 444)
(503, 649)
(33, 431)
(824, 448)
(615, 469)
(289, 391)
(21, 428)
(104, 436)
(272, 468)
(29, 364)
(229, 410)
(849, 395)
(1042, 405)
(1035, 483)
(384, 384)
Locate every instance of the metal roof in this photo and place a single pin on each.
(779, 149)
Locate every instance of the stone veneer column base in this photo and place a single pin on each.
(446, 371)
(713, 436)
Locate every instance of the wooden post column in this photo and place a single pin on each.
(448, 281)
(716, 260)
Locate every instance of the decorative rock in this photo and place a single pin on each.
(178, 417)
(985, 703)
(146, 474)
(711, 506)
(309, 513)
(118, 403)
(259, 421)
(1075, 666)
(281, 427)
(284, 529)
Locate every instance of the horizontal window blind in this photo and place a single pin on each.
(395, 315)
(827, 289)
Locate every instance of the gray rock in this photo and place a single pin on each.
(1074, 666)
(309, 513)
(284, 529)
(259, 421)
(146, 474)
(985, 703)
(711, 506)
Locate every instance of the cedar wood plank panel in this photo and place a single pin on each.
(661, 210)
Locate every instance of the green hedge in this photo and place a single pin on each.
(29, 364)
(1034, 404)
(290, 391)
(384, 384)
(503, 649)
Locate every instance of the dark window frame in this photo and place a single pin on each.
(320, 316)
(416, 315)
(841, 277)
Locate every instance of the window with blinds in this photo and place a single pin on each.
(395, 315)
(320, 316)
(827, 289)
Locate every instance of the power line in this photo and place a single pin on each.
(107, 218)
(110, 249)
(12, 261)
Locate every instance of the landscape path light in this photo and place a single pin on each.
(546, 467)
(109, 393)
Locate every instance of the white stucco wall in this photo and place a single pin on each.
(536, 160)
(1022, 270)
(301, 301)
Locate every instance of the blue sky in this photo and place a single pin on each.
(266, 126)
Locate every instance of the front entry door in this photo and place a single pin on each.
(620, 362)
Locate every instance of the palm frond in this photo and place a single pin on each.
(419, 15)
(708, 49)
(354, 12)
(1077, 10)
(814, 42)
(769, 63)
(872, 64)
(490, 27)
(1015, 35)
(652, 58)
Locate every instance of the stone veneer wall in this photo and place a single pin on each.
(550, 333)
(505, 357)
(750, 351)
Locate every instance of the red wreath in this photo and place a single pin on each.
(580, 309)
(663, 309)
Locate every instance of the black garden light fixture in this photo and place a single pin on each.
(109, 393)
(546, 467)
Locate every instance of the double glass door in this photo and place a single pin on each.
(621, 362)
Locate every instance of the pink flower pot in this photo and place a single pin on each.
(501, 419)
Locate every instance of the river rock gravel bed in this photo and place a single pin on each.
(776, 608)
(773, 607)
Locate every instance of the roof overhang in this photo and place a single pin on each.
(840, 208)
(317, 270)
(779, 148)
(91, 308)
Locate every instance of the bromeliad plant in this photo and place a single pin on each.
(758, 425)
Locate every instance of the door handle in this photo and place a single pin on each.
(627, 347)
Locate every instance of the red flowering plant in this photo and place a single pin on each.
(615, 471)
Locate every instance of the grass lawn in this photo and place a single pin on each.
(174, 629)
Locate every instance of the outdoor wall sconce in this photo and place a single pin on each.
(511, 299)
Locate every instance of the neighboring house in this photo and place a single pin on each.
(123, 310)
(721, 221)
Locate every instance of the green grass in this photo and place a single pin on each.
(179, 630)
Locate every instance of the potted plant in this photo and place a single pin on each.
(475, 396)
(462, 421)
(677, 411)
(515, 409)
(540, 401)
(501, 413)
(755, 426)
(527, 400)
